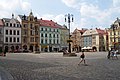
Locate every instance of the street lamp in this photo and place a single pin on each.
(69, 18)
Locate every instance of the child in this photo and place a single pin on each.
(82, 58)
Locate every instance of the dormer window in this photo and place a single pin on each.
(14, 25)
(10, 24)
(17, 25)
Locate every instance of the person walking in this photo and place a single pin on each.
(82, 56)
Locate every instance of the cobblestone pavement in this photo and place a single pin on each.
(53, 66)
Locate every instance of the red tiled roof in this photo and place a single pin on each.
(82, 31)
(1, 22)
(49, 23)
(101, 31)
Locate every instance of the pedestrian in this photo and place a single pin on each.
(82, 56)
(109, 54)
(115, 54)
(4, 53)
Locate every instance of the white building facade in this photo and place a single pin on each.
(12, 34)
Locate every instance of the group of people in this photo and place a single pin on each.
(112, 54)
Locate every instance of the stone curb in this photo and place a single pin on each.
(4, 75)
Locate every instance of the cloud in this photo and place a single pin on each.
(72, 3)
(116, 3)
(91, 12)
(11, 6)
(58, 18)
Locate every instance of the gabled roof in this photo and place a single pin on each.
(94, 31)
(101, 31)
(8, 20)
(1, 22)
(81, 31)
(49, 23)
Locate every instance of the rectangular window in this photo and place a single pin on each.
(41, 35)
(32, 39)
(6, 32)
(10, 32)
(18, 40)
(41, 29)
(45, 29)
(50, 41)
(14, 40)
(50, 36)
(50, 29)
(45, 35)
(57, 41)
(10, 39)
(41, 41)
(6, 39)
(54, 35)
(18, 33)
(14, 32)
(57, 36)
(54, 41)
(31, 26)
(45, 41)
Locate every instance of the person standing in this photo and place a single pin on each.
(5, 52)
(82, 56)
(108, 56)
(115, 54)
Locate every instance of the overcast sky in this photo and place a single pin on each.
(87, 13)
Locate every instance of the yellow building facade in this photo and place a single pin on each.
(114, 35)
(30, 37)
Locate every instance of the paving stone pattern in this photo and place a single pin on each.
(37, 67)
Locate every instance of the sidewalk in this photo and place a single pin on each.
(4, 75)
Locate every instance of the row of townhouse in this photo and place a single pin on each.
(97, 39)
(27, 33)
(90, 40)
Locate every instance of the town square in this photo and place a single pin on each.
(53, 66)
(59, 40)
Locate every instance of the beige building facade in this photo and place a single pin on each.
(95, 40)
(77, 40)
(30, 37)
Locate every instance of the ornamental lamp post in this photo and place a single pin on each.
(69, 19)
